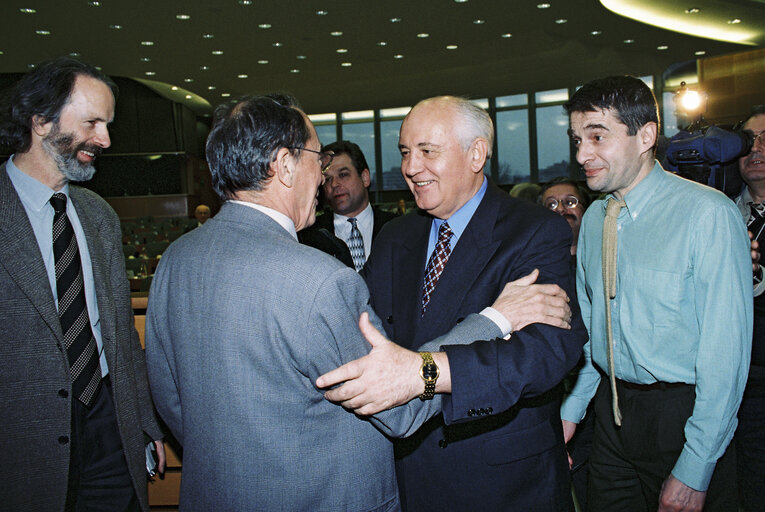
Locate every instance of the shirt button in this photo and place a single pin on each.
(63, 439)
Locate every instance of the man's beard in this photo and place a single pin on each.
(63, 148)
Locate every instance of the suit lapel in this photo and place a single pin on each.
(407, 274)
(467, 261)
(91, 225)
(20, 254)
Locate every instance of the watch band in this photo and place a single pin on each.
(429, 372)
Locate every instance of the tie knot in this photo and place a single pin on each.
(445, 232)
(614, 207)
(352, 220)
(58, 202)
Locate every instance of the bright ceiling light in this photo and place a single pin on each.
(346, 64)
(479, 22)
(662, 47)
(241, 76)
(561, 21)
(217, 52)
(150, 73)
(27, 10)
(451, 47)
(262, 61)
(700, 52)
(225, 94)
(208, 36)
(42, 32)
(398, 56)
(692, 10)
(423, 35)
(182, 17)
(322, 13)
(342, 50)
(115, 27)
(395, 20)
(277, 44)
(543, 6)
(295, 70)
(264, 25)
(507, 35)
(147, 43)
(188, 80)
(382, 43)
(188, 96)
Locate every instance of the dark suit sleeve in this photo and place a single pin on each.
(495, 375)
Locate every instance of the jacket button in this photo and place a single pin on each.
(63, 439)
(489, 410)
(63, 393)
(442, 443)
(389, 319)
(471, 412)
(481, 412)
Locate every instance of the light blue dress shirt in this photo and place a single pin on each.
(682, 311)
(35, 197)
(457, 222)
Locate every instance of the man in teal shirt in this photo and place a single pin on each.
(680, 315)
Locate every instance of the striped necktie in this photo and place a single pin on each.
(81, 348)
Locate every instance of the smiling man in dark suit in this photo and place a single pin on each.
(498, 444)
(75, 402)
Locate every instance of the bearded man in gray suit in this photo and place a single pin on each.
(73, 421)
(243, 319)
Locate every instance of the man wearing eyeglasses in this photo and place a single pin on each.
(750, 435)
(568, 199)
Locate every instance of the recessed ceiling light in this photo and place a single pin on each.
(395, 20)
(241, 76)
(294, 70)
(301, 57)
(382, 43)
(543, 6)
(150, 73)
(342, 50)
(31, 66)
(423, 35)
(734, 21)
(479, 22)
(174, 88)
(94, 3)
(398, 56)
(700, 52)
(147, 43)
(595, 33)
(188, 96)
(2, 52)
(322, 13)
(346, 64)
(460, 1)
(263, 61)
(277, 44)
(264, 25)
(204, 68)
(188, 80)
(336, 33)
(225, 94)
(210, 87)
(145, 59)
(662, 47)
(208, 36)
(182, 17)
(74, 54)
(27, 10)
(245, 2)
(217, 52)
(507, 35)
(42, 32)
(561, 21)
(451, 47)
(629, 41)
(692, 10)
(115, 27)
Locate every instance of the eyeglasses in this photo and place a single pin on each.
(325, 158)
(758, 138)
(567, 202)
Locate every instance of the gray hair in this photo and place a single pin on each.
(477, 123)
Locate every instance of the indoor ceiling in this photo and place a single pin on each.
(341, 55)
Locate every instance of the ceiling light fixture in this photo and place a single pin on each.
(734, 21)
(451, 47)
(150, 73)
(423, 35)
(264, 25)
(700, 52)
(543, 6)
(277, 44)
(460, 1)
(294, 70)
(692, 10)
(595, 33)
(301, 57)
(395, 20)
(225, 94)
(346, 64)
(42, 32)
(398, 56)
(507, 35)
(263, 61)
(145, 59)
(27, 10)
(245, 2)
(217, 52)
(382, 43)
(74, 54)
(174, 88)
(188, 96)
(188, 80)
(204, 68)
(208, 36)
(662, 47)
(241, 76)
(629, 41)
(322, 13)
(479, 22)
(342, 50)
(210, 87)
(336, 33)
(94, 3)
(561, 21)
(147, 43)
(182, 17)
(115, 27)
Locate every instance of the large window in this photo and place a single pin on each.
(553, 146)
(391, 157)
(512, 144)
(358, 127)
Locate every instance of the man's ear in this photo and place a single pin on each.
(365, 179)
(478, 152)
(648, 134)
(283, 167)
(41, 126)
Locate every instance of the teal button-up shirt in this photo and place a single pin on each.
(682, 311)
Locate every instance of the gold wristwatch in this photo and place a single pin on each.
(429, 372)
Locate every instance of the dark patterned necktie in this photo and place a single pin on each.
(81, 348)
(436, 264)
(356, 245)
(756, 222)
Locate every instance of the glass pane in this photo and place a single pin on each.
(394, 112)
(513, 146)
(551, 96)
(327, 133)
(516, 100)
(552, 142)
(648, 80)
(323, 118)
(391, 158)
(669, 119)
(359, 115)
(363, 134)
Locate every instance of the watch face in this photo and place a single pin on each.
(429, 371)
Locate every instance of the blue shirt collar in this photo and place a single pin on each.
(461, 218)
(32, 192)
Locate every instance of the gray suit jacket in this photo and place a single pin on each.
(242, 320)
(35, 406)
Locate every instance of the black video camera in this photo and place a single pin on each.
(709, 155)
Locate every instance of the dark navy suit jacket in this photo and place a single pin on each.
(498, 444)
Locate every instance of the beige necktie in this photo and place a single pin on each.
(609, 288)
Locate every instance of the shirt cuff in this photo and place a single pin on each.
(693, 471)
(573, 409)
(502, 323)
